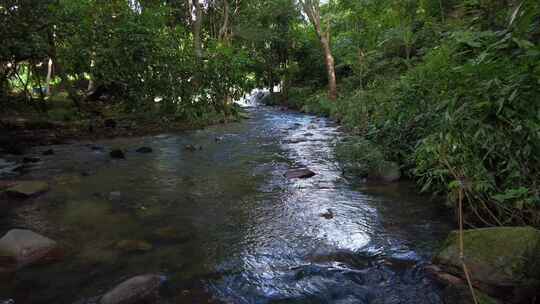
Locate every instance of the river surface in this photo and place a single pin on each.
(223, 222)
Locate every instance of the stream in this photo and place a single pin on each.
(223, 223)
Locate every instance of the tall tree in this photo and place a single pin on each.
(197, 27)
(312, 9)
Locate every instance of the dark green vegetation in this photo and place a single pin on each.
(447, 89)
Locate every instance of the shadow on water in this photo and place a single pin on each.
(223, 223)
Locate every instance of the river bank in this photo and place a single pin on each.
(21, 131)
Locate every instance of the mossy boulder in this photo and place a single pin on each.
(496, 257)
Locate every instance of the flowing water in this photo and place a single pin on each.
(223, 222)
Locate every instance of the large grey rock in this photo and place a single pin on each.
(26, 189)
(139, 289)
(19, 248)
(501, 258)
(265, 98)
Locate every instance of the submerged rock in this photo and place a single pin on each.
(501, 260)
(144, 150)
(19, 248)
(139, 289)
(171, 234)
(27, 160)
(117, 153)
(26, 189)
(48, 152)
(133, 246)
(299, 173)
(293, 141)
(115, 195)
(192, 148)
(97, 148)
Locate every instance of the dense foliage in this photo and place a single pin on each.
(448, 89)
(139, 54)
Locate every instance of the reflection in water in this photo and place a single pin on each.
(224, 222)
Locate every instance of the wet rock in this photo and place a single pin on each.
(514, 265)
(386, 171)
(308, 134)
(19, 248)
(117, 153)
(267, 99)
(144, 150)
(26, 189)
(115, 195)
(300, 173)
(48, 152)
(86, 173)
(133, 246)
(329, 214)
(312, 127)
(192, 148)
(293, 141)
(436, 273)
(97, 148)
(400, 261)
(139, 289)
(27, 160)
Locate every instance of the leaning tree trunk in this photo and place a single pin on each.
(312, 10)
(330, 67)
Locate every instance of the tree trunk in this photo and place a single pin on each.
(197, 25)
(224, 31)
(312, 10)
(48, 79)
(330, 68)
